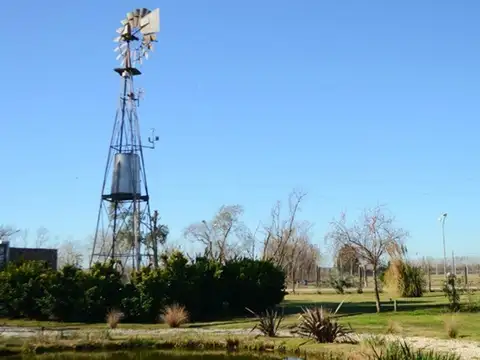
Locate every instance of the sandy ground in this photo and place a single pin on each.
(466, 349)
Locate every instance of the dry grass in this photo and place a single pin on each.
(451, 326)
(113, 318)
(393, 328)
(175, 315)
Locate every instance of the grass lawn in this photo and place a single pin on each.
(425, 316)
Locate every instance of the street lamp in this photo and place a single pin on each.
(442, 219)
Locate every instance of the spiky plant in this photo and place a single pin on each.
(268, 322)
(320, 325)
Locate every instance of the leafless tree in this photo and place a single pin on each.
(224, 236)
(6, 232)
(43, 237)
(282, 232)
(373, 237)
(287, 241)
(69, 253)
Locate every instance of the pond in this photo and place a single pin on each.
(153, 355)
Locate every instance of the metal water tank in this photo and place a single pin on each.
(126, 175)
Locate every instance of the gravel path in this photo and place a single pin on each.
(468, 350)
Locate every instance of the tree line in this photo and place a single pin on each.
(286, 241)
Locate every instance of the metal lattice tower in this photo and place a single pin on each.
(124, 218)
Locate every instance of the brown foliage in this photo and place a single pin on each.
(175, 315)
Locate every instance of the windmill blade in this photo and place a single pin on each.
(150, 23)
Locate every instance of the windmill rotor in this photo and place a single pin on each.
(136, 36)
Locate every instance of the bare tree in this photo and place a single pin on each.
(287, 242)
(373, 237)
(6, 232)
(281, 232)
(224, 236)
(69, 253)
(42, 237)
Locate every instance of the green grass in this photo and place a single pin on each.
(424, 316)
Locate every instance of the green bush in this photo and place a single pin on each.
(208, 290)
(451, 292)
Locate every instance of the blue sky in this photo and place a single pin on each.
(359, 103)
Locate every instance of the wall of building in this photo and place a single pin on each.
(48, 255)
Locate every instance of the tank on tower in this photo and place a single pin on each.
(126, 176)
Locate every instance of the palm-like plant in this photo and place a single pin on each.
(268, 322)
(320, 325)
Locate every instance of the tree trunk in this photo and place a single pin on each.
(377, 291)
(293, 280)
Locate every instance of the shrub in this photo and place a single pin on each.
(23, 289)
(208, 289)
(320, 324)
(393, 327)
(340, 284)
(253, 284)
(451, 292)
(451, 326)
(405, 279)
(268, 322)
(175, 315)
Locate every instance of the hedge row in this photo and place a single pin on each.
(208, 289)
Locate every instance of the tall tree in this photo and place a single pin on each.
(373, 237)
(287, 242)
(69, 254)
(282, 232)
(223, 237)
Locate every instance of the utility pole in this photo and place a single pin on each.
(442, 219)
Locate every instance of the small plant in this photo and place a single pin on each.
(393, 327)
(232, 344)
(268, 322)
(175, 315)
(451, 292)
(451, 326)
(113, 318)
(340, 284)
(400, 350)
(320, 325)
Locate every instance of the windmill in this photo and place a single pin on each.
(124, 217)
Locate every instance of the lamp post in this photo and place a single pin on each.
(442, 219)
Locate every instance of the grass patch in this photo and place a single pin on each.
(424, 316)
(186, 341)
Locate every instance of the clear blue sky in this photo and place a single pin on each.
(356, 102)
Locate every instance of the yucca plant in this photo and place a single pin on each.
(320, 325)
(400, 350)
(268, 322)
